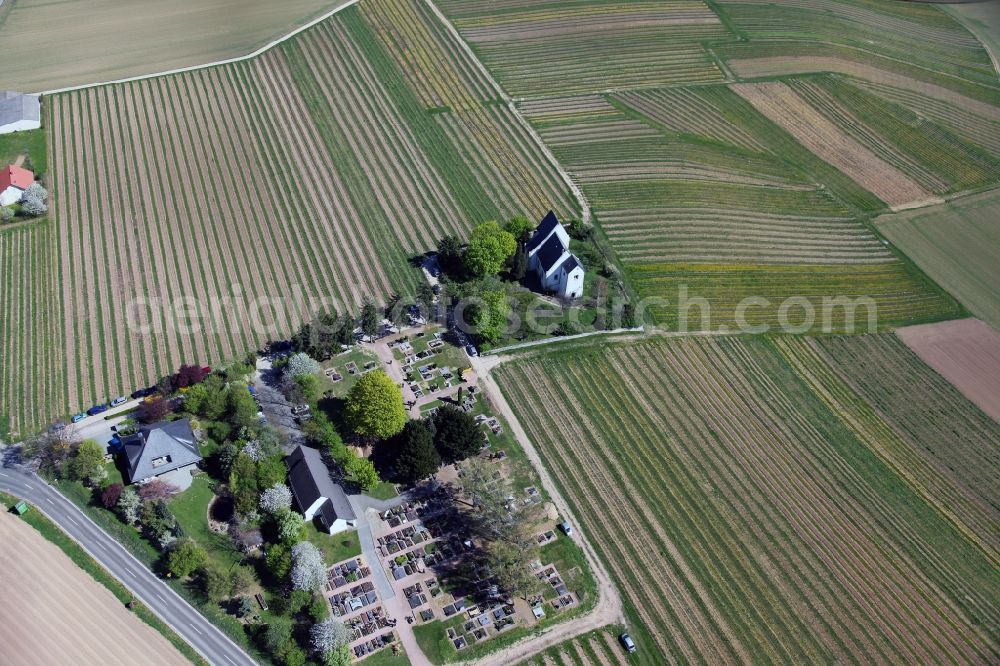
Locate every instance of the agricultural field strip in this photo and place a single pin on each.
(781, 104)
(974, 127)
(777, 423)
(962, 475)
(769, 66)
(577, 383)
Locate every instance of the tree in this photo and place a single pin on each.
(290, 526)
(188, 375)
(329, 635)
(308, 570)
(449, 254)
(491, 315)
(279, 560)
(489, 248)
(207, 398)
(245, 607)
(369, 318)
(276, 498)
(241, 409)
(216, 583)
(293, 655)
(321, 432)
(339, 657)
(241, 579)
(153, 410)
(510, 561)
(319, 609)
(129, 504)
(37, 191)
(309, 387)
(416, 457)
(157, 489)
(394, 309)
(278, 632)
(32, 206)
(111, 494)
(425, 300)
(375, 406)
(302, 364)
(88, 458)
(364, 472)
(456, 434)
(519, 227)
(185, 557)
(519, 266)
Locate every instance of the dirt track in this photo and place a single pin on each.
(55, 613)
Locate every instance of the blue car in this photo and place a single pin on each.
(78, 417)
(97, 409)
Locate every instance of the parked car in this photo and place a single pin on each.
(97, 409)
(471, 351)
(627, 642)
(566, 529)
(142, 393)
(120, 400)
(78, 417)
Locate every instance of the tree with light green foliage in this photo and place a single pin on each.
(519, 227)
(374, 406)
(489, 248)
(89, 458)
(185, 557)
(364, 472)
(491, 315)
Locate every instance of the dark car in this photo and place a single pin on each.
(97, 409)
(143, 392)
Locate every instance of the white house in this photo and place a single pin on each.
(549, 257)
(19, 112)
(316, 493)
(14, 180)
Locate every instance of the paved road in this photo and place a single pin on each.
(215, 646)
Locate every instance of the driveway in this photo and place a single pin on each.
(214, 645)
(99, 427)
(275, 406)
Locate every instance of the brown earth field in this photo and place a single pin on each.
(966, 352)
(54, 613)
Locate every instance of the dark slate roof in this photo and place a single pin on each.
(545, 227)
(550, 253)
(571, 263)
(173, 440)
(310, 480)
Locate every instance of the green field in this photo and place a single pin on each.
(957, 244)
(759, 518)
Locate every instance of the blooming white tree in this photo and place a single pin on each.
(308, 570)
(129, 504)
(253, 450)
(275, 498)
(31, 205)
(36, 191)
(329, 635)
(302, 364)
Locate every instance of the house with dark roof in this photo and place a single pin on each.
(167, 450)
(315, 492)
(557, 268)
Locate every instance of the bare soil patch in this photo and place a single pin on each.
(54, 613)
(966, 352)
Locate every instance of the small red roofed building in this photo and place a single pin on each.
(14, 180)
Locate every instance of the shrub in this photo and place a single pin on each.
(302, 364)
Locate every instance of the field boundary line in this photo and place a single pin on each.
(574, 188)
(193, 68)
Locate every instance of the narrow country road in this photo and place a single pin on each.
(189, 624)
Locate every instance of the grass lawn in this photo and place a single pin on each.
(191, 509)
(359, 356)
(335, 547)
(387, 658)
(30, 143)
(384, 491)
(566, 555)
(51, 531)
